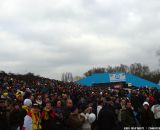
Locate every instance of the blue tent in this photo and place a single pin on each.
(117, 77)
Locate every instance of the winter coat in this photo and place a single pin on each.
(66, 115)
(76, 121)
(146, 118)
(128, 118)
(59, 118)
(15, 114)
(48, 117)
(106, 119)
(3, 119)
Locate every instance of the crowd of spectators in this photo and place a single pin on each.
(45, 104)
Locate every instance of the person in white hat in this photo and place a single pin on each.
(26, 109)
(32, 120)
(146, 116)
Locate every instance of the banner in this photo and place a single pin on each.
(117, 77)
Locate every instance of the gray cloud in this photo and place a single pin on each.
(51, 37)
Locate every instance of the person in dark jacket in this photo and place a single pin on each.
(66, 114)
(48, 118)
(106, 118)
(15, 117)
(127, 116)
(59, 118)
(3, 115)
(75, 120)
(146, 116)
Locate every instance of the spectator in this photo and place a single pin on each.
(32, 120)
(48, 118)
(26, 108)
(107, 119)
(127, 116)
(76, 120)
(15, 117)
(156, 111)
(3, 115)
(59, 118)
(89, 118)
(146, 116)
(67, 112)
(121, 111)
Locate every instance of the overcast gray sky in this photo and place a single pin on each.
(49, 37)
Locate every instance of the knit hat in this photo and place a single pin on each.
(145, 103)
(27, 102)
